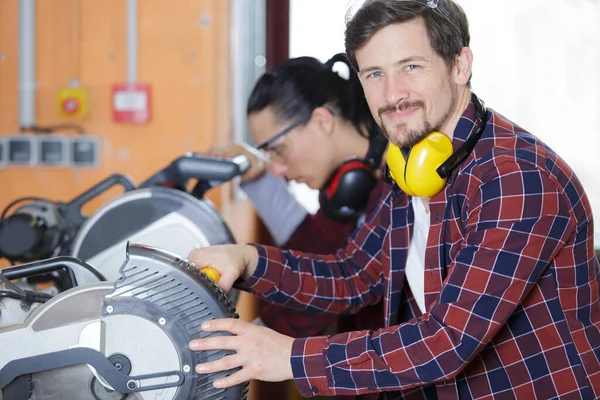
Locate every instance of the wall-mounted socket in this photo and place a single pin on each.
(21, 150)
(2, 152)
(84, 151)
(53, 150)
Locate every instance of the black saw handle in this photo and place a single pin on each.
(72, 209)
(68, 264)
(209, 171)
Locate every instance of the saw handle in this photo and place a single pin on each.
(72, 210)
(45, 266)
(67, 263)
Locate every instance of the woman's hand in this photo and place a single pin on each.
(232, 149)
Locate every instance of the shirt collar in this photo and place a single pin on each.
(466, 126)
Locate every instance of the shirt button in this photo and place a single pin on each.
(315, 390)
(437, 216)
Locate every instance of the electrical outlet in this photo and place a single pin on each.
(84, 151)
(53, 150)
(21, 150)
(2, 152)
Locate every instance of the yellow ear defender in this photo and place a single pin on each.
(415, 170)
(424, 169)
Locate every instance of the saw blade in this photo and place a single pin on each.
(174, 296)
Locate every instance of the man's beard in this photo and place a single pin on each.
(401, 135)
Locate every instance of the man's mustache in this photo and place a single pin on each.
(401, 107)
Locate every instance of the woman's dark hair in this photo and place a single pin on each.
(446, 23)
(297, 86)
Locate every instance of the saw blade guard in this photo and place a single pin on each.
(123, 340)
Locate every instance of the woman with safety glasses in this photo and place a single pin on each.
(313, 127)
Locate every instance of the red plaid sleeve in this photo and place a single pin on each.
(308, 361)
(340, 283)
(318, 234)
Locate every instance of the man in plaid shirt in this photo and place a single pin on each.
(502, 299)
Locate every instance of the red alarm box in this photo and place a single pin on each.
(131, 102)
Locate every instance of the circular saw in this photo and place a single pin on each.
(126, 339)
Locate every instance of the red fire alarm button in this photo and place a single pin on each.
(70, 106)
(131, 103)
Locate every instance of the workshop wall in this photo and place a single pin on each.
(183, 54)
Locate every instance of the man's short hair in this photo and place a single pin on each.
(446, 23)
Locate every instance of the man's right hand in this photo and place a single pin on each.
(231, 260)
(232, 149)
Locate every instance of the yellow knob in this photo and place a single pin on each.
(212, 273)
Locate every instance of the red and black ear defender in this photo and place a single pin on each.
(423, 170)
(346, 192)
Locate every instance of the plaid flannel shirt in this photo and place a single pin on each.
(511, 285)
(321, 235)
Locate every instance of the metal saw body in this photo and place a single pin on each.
(126, 339)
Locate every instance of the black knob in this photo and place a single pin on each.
(22, 238)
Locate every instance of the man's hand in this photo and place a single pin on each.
(231, 260)
(232, 149)
(262, 353)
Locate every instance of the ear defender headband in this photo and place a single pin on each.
(423, 170)
(346, 192)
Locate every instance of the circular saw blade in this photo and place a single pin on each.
(173, 298)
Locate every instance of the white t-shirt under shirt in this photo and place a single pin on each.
(415, 263)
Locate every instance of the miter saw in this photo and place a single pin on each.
(160, 212)
(126, 339)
